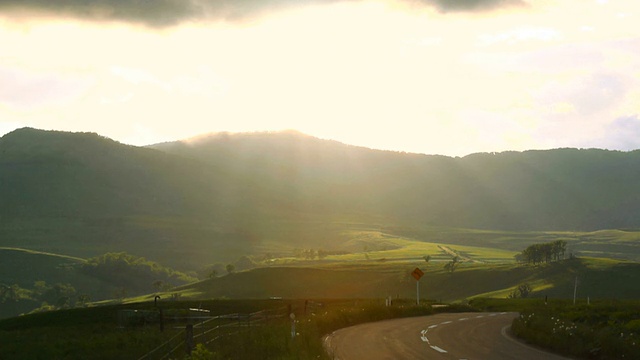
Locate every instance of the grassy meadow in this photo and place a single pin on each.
(188, 244)
(350, 285)
(355, 270)
(362, 261)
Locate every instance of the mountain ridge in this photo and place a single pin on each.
(228, 195)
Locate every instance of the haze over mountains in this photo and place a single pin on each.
(225, 195)
(564, 189)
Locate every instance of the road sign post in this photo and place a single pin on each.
(417, 274)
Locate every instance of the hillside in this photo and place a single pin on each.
(598, 279)
(82, 194)
(22, 269)
(563, 189)
(29, 279)
(215, 198)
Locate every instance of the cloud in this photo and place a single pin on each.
(26, 90)
(162, 13)
(150, 12)
(623, 133)
(471, 5)
(593, 95)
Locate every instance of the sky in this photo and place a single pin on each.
(450, 77)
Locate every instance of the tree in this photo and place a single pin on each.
(519, 258)
(453, 264)
(522, 291)
(213, 273)
(158, 284)
(230, 268)
(10, 293)
(82, 300)
(427, 258)
(40, 288)
(546, 252)
(61, 295)
(559, 249)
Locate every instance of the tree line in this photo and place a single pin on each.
(543, 253)
(134, 273)
(56, 296)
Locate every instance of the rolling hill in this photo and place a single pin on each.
(215, 198)
(29, 279)
(562, 189)
(598, 279)
(318, 219)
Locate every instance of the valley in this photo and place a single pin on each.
(87, 223)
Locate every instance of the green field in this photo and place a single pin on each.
(597, 279)
(191, 244)
(345, 280)
(362, 261)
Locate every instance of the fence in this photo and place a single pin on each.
(206, 329)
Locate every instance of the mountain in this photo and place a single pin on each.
(82, 194)
(217, 197)
(562, 189)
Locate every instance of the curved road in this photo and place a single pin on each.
(471, 336)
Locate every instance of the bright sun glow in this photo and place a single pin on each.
(390, 75)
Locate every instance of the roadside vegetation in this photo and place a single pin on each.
(100, 333)
(599, 331)
(603, 329)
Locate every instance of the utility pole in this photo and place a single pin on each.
(155, 302)
(575, 290)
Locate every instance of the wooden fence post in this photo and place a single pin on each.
(189, 340)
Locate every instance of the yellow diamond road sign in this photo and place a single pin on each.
(417, 274)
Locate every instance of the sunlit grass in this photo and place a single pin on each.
(34, 252)
(371, 246)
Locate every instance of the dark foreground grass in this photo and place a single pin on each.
(605, 329)
(600, 330)
(274, 341)
(96, 333)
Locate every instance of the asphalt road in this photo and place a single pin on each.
(471, 336)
